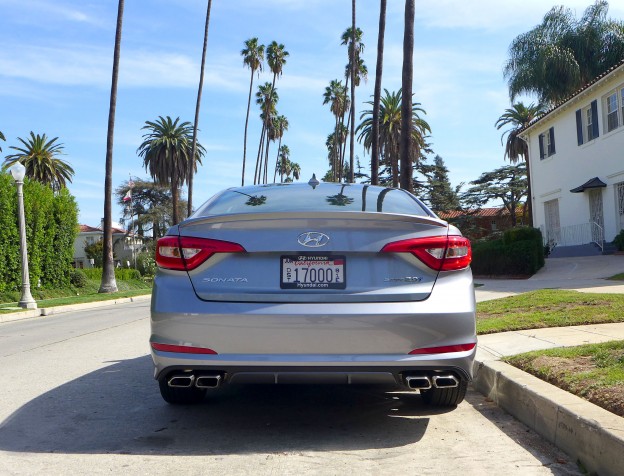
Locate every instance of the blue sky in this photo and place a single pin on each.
(56, 60)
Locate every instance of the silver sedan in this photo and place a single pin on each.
(313, 283)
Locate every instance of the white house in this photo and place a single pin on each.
(576, 160)
(125, 245)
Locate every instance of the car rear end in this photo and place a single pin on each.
(318, 289)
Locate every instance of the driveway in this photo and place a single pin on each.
(586, 274)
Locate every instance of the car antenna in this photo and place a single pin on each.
(313, 182)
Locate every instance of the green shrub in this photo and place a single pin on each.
(78, 279)
(146, 264)
(619, 241)
(495, 258)
(121, 274)
(523, 233)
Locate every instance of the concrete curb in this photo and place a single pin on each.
(588, 433)
(49, 311)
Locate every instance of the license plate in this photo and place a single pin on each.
(313, 272)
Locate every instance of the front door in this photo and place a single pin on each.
(553, 228)
(595, 215)
(619, 191)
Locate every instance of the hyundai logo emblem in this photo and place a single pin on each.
(313, 239)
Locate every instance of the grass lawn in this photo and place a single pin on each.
(594, 372)
(72, 295)
(548, 308)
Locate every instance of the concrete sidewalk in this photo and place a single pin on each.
(588, 433)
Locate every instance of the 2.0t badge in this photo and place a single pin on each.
(313, 239)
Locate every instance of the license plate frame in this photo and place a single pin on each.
(293, 274)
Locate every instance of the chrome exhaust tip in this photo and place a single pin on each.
(418, 382)
(208, 381)
(445, 381)
(181, 381)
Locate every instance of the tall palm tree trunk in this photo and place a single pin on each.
(279, 145)
(108, 283)
(260, 155)
(246, 124)
(266, 160)
(175, 198)
(377, 95)
(199, 93)
(406, 102)
(352, 135)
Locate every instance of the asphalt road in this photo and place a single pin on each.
(77, 397)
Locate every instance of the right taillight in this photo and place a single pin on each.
(441, 253)
(184, 253)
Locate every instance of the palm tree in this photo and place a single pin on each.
(561, 54)
(40, 157)
(518, 117)
(390, 131)
(253, 57)
(295, 169)
(2, 138)
(266, 98)
(108, 283)
(280, 125)
(195, 124)
(166, 152)
(406, 104)
(377, 95)
(283, 161)
(336, 96)
(276, 58)
(354, 61)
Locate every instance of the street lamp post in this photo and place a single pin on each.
(18, 171)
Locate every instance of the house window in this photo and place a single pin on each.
(547, 143)
(587, 123)
(612, 111)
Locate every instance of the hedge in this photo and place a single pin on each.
(51, 228)
(519, 253)
(121, 274)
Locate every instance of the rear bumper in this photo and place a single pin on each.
(320, 342)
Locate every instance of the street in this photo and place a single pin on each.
(78, 397)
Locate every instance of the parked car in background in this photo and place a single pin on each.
(313, 283)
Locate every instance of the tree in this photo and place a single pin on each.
(195, 124)
(1, 138)
(151, 211)
(283, 161)
(405, 147)
(94, 251)
(354, 62)
(336, 96)
(166, 152)
(562, 54)
(253, 58)
(377, 95)
(518, 117)
(442, 196)
(276, 59)
(108, 283)
(266, 98)
(507, 184)
(390, 132)
(40, 157)
(280, 125)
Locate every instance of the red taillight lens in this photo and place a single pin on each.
(444, 349)
(181, 349)
(187, 253)
(441, 253)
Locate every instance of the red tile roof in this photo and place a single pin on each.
(482, 213)
(87, 228)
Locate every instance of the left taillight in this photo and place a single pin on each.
(185, 253)
(441, 253)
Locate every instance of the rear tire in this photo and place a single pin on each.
(445, 397)
(181, 395)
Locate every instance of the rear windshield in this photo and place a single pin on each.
(325, 197)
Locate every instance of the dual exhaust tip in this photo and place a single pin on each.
(425, 382)
(187, 380)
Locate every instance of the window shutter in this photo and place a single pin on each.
(579, 127)
(594, 112)
(541, 145)
(552, 141)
